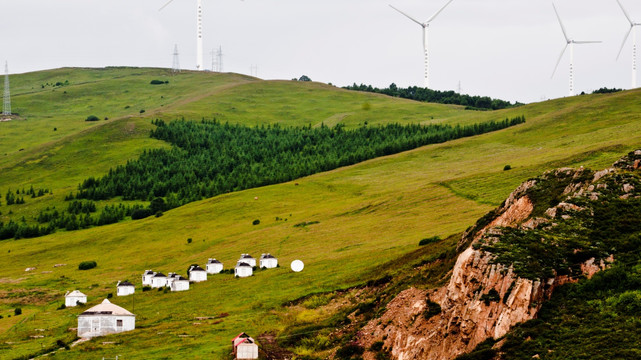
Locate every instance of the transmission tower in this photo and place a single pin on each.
(6, 109)
(213, 60)
(220, 59)
(175, 67)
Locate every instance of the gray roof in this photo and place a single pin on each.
(246, 256)
(267, 256)
(242, 264)
(196, 268)
(125, 283)
(213, 261)
(159, 275)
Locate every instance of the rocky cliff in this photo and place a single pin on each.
(511, 262)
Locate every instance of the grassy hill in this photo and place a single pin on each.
(364, 215)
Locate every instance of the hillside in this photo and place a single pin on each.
(359, 218)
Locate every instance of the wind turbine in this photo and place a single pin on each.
(570, 43)
(634, 45)
(425, 25)
(199, 32)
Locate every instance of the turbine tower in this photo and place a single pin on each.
(199, 32)
(425, 25)
(634, 45)
(6, 109)
(570, 43)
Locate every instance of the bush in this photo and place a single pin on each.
(141, 214)
(110, 295)
(158, 82)
(189, 241)
(429, 240)
(256, 222)
(142, 111)
(60, 343)
(146, 288)
(348, 351)
(17, 311)
(92, 118)
(507, 167)
(86, 265)
(433, 309)
(62, 307)
(377, 346)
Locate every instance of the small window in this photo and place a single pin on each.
(119, 323)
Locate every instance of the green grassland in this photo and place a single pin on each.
(368, 214)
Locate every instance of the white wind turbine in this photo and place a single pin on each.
(199, 32)
(425, 26)
(570, 43)
(634, 45)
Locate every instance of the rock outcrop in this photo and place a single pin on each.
(485, 299)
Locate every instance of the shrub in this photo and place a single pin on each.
(507, 167)
(433, 309)
(62, 307)
(429, 240)
(92, 118)
(491, 296)
(256, 222)
(158, 82)
(146, 288)
(86, 265)
(17, 311)
(110, 295)
(141, 214)
(348, 351)
(142, 111)
(377, 346)
(60, 343)
(366, 106)
(189, 241)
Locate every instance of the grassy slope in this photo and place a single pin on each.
(368, 213)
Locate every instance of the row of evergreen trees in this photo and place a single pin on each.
(436, 96)
(209, 158)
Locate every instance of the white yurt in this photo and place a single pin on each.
(158, 280)
(245, 347)
(125, 288)
(243, 270)
(75, 297)
(214, 266)
(247, 259)
(197, 274)
(268, 261)
(146, 277)
(104, 319)
(171, 277)
(179, 284)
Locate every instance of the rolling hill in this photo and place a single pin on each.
(346, 225)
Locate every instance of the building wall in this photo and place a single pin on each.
(214, 268)
(71, 300)
(198, 276)
(146, 279)
(158, 282)
(247, 351)
(100, 325)
(125, 290)
(180, 286)
(243, 271)
(268, 263)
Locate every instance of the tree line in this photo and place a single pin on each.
(436, 96)
(209, 158)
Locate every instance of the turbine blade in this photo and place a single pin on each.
(565, 34)
(409, 17)
(624, 40)
(559, 61)
(164, 6)
(438, 12)
(587, 42)
(625, 13)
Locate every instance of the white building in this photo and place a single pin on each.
(125, 288)
(214, 266)
(158, 280)
(268, 261)
(179, 284)
(171, 277)
(247, 259)
(75, 297)
(245, 347)
(197, 274)
(103, 319)
(146, 277)
(243, 270)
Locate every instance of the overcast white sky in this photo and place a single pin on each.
(500, 48)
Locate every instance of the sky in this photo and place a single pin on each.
(505, 49)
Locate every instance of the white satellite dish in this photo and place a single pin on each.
(297, 266)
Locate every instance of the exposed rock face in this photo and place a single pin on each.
(485, 299)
